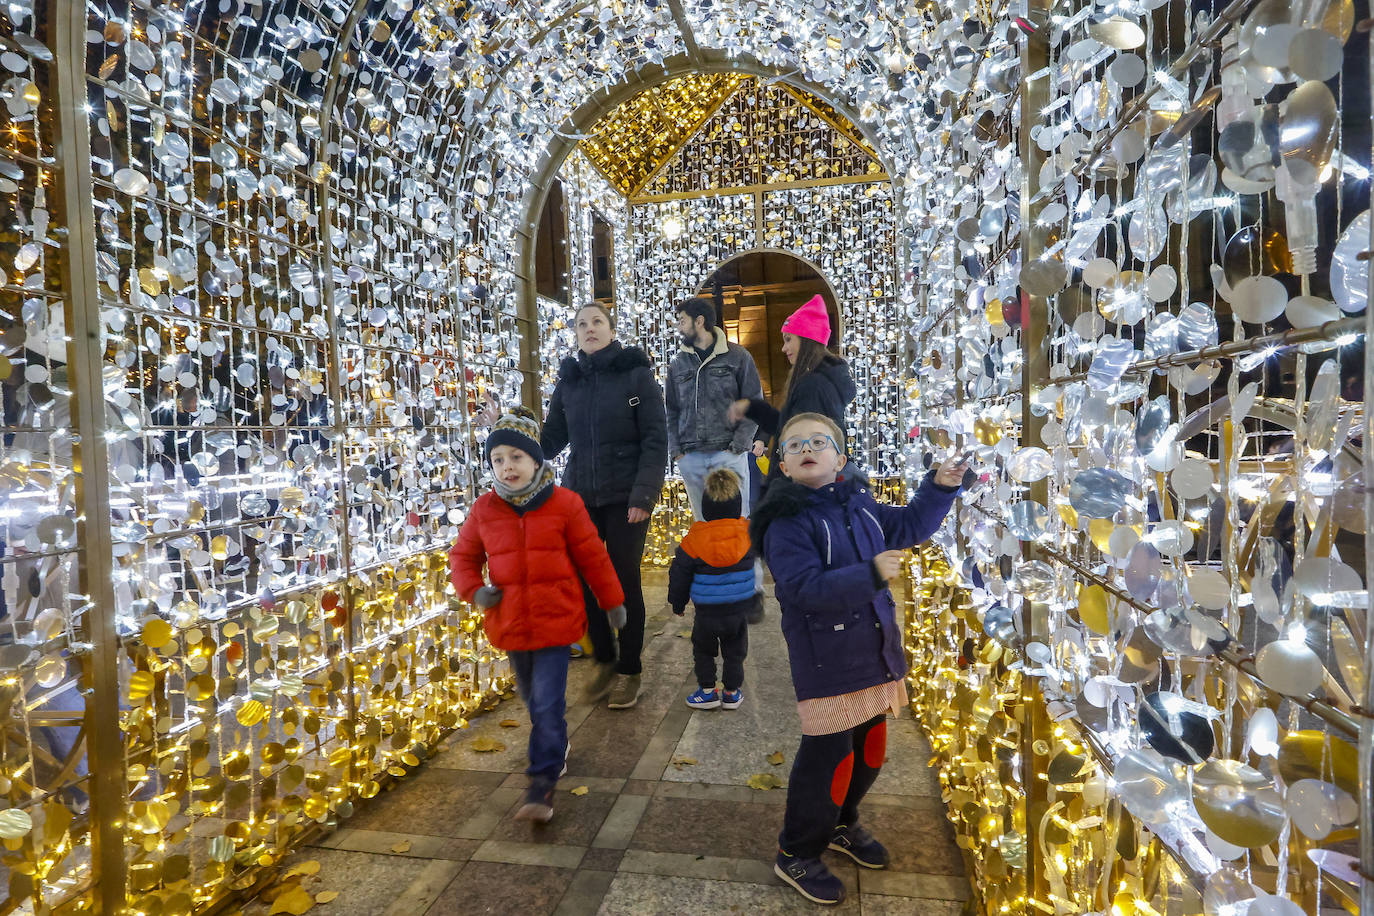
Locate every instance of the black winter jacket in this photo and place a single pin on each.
(609, 408)
(827, 390)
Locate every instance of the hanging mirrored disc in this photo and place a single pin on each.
(1149, 784)
(1238, 803)
(1099, 492)
(1172, 728)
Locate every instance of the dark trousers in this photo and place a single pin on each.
(726, 635)
(625, 544)
(830, 776)
(541, 676)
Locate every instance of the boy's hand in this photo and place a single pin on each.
(636, 515)
(616, 616)
(888, 564)
(950, 473)
(488, 596)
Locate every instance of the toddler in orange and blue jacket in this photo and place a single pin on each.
(714, 567)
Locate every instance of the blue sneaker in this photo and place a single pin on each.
(810, 877)
(859, 845)
(704, 699)
(730, 699)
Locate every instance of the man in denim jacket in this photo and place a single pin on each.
(704, 378)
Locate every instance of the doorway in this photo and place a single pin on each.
(754, 293)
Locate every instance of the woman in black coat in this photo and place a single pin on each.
(608, 407)
(818, 383)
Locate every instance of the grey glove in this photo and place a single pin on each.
(488, 596)
(616, 616)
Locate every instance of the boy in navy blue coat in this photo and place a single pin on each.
(714, 567)
(832, 550)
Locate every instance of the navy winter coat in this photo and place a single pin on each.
(838, 616)
(609, 408)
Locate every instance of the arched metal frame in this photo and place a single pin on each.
(839, 304)
(586, 115)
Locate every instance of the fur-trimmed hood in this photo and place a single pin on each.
(614, 358)
(784, 498)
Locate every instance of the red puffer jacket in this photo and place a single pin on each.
(535, 560)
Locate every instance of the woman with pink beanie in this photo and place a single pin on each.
(818, 383)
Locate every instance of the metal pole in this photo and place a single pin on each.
(1367, 726)
(86, 362)
(1036, 729)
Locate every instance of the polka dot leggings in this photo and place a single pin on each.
(830, 776)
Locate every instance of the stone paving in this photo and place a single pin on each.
(667, 823)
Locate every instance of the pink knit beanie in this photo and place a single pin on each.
(810, 321)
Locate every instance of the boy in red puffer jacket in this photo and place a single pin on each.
(535, 539)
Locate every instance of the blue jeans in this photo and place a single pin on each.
(541, 676)
(695, 466)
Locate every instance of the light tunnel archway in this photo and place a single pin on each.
(563, 144)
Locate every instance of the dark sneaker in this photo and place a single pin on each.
(730, 699)
(859, 845)
(704, 699)
(755, 612)
(599, 687)
(625, 693)
(810, 877)
(538, 806)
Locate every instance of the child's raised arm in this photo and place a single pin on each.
(801, 579)
(912, 524)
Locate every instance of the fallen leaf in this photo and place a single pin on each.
(295, 901)
(484, 745)
(681, 762)
(580, 790)
(510, 723)
(310, 867)
(326, 896)
(764, 781)
(685, 634)
(403, 846)
(775, 758)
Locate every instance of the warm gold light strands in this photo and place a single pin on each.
(632, 142)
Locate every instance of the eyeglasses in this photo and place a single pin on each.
(818, 443)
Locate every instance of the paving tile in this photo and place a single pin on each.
(431, 801)
(500, 889)
(586, 893)
(919, 841)
(576, 820)
(621, 823)
(878, 905)
(902, 884)
(700, 826)
(535, 854)
(384, 842)
(636, 895)
(744, 794)
(425, 889)
(602, 859)
(367, 883)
